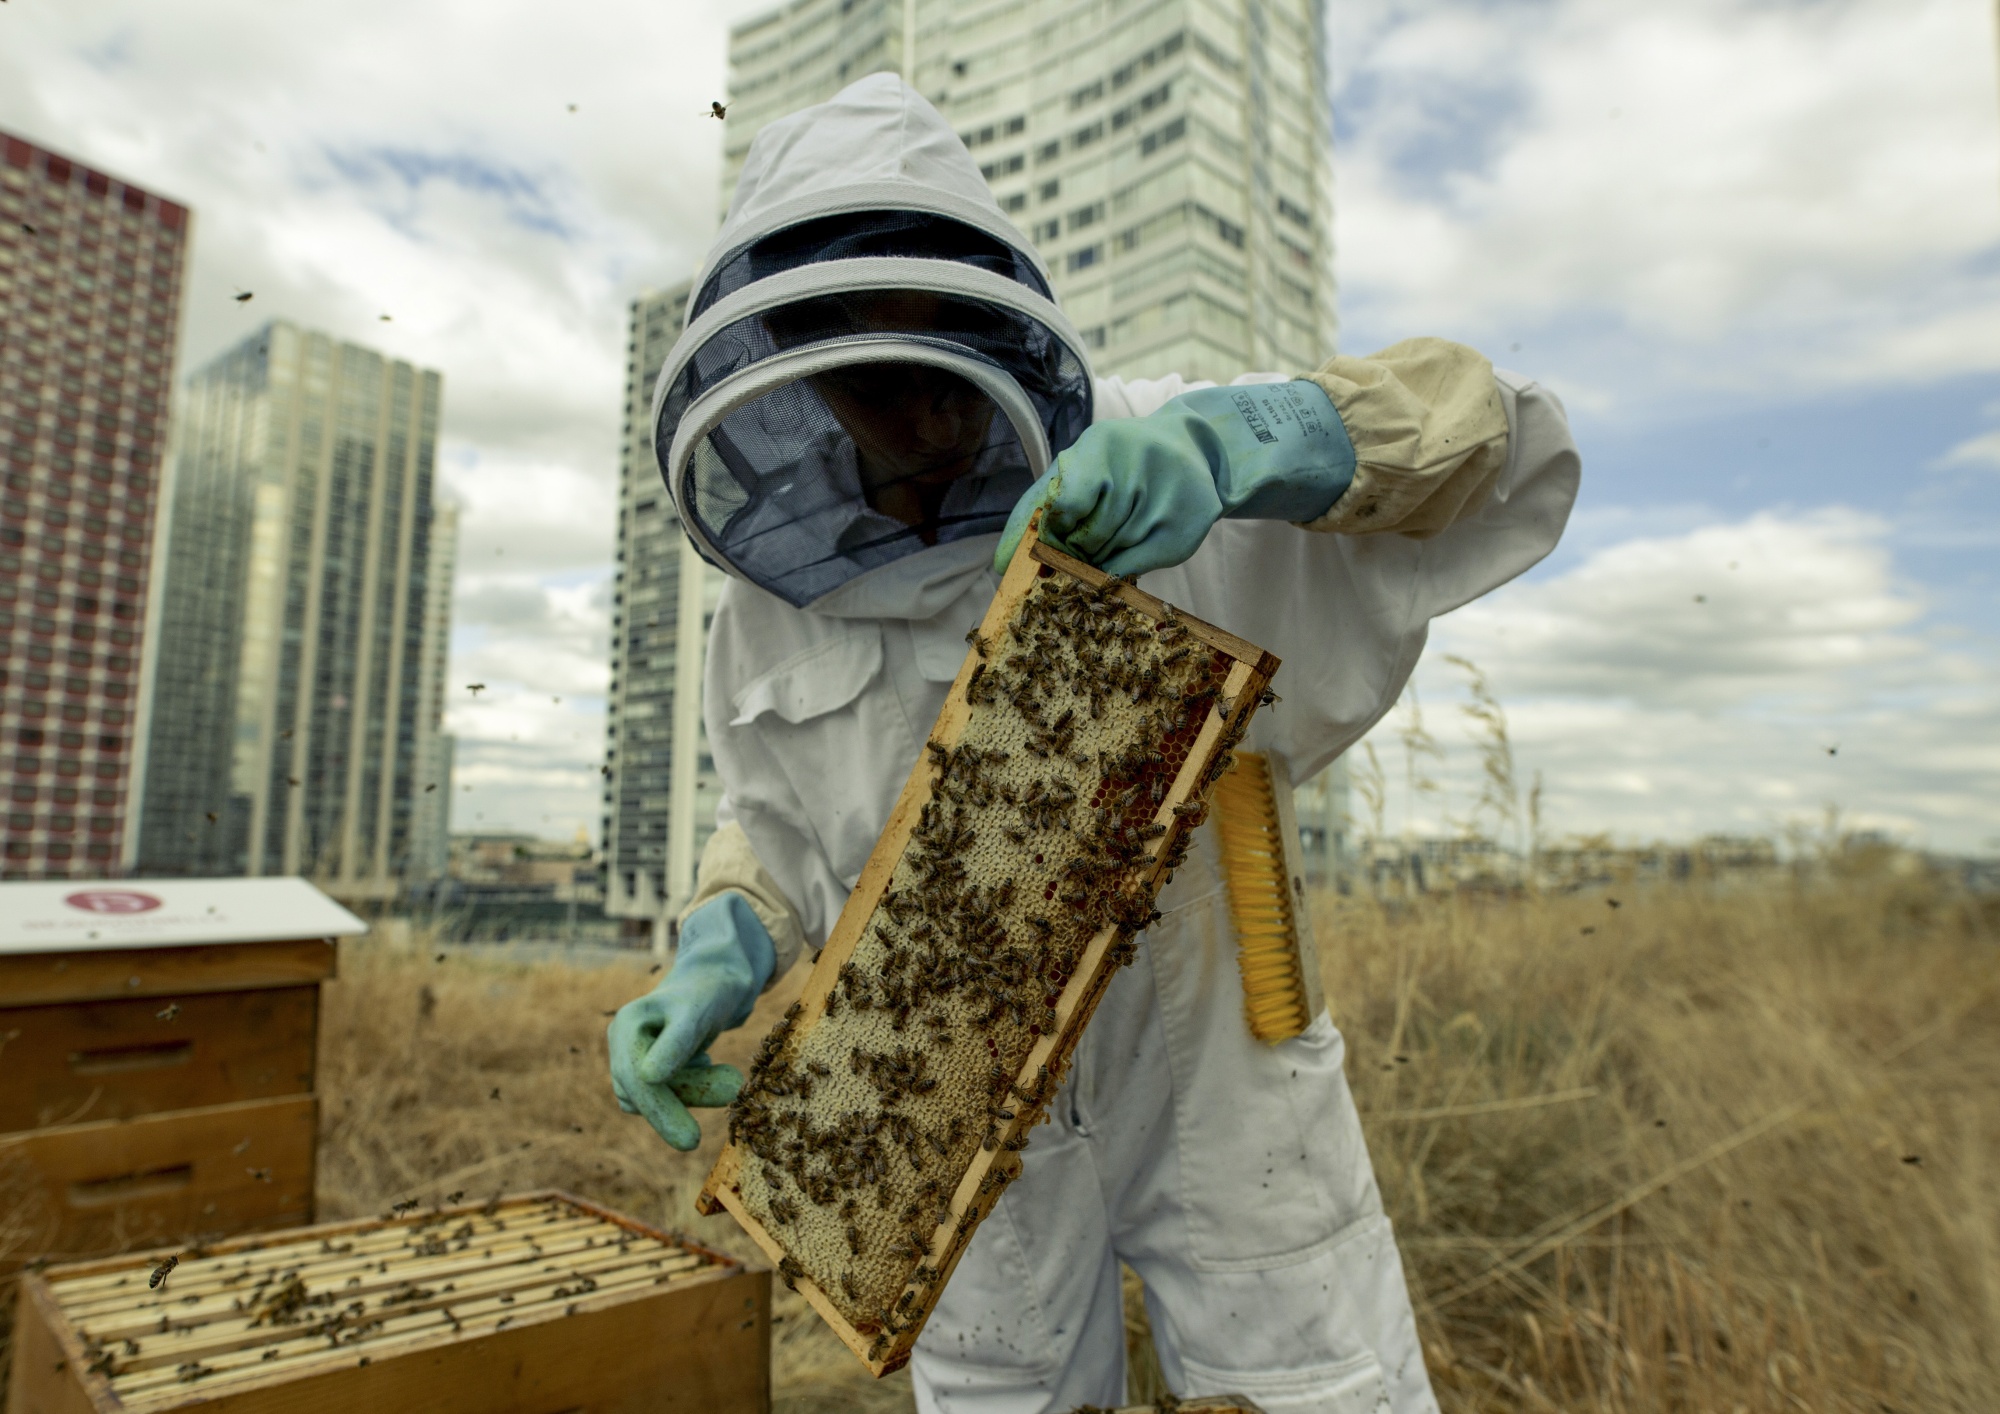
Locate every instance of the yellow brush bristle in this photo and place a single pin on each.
(1276, 997)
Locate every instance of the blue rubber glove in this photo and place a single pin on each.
(1140, 493)
(659, 1043)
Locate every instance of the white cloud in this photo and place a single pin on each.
(1981, 451)
(1727, 616)
(1806, 679)
(1711, 195)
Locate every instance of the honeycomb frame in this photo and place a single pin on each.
(1195, 694)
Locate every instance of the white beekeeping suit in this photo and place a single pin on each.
(1231, 1175)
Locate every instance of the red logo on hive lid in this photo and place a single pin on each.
(113, 901)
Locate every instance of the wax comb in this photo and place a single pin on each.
(1061, 785)
(1259, 837)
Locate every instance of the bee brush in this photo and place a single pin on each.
(1252, 809)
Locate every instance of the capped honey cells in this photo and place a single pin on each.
(885, 1112)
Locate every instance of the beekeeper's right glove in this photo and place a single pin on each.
(1140, 493)
(659, 1043)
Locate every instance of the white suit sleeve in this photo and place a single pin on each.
(750, 632)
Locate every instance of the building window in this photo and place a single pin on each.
(1152, 142)
(1017, 201)
(1003, 167)
(1165, 49)
(1225, 229)
(1297, 215)
(1086, 215)
(1048, 230)
(1085, 258)
(1050, 190)
(994, 131)
(1141, 106)
(1083, 137)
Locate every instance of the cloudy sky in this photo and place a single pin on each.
(1755, 245)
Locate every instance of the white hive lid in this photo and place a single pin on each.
(71, 915)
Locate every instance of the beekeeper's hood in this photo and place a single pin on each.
(872, 364)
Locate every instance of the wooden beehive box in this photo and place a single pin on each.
(886, 1112)
(530, 1305)
(157, 1047)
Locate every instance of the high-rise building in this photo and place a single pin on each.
(1171, 159)
(430, 814)
(660, 787)
(287, 705)
(90, 282)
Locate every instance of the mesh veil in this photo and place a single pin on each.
(840, 398)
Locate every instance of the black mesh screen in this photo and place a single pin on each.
(802, 498)
(843, 471)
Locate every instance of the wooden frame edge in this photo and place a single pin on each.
(262, 1241)
(1249, 675)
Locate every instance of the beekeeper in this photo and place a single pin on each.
(867, 403)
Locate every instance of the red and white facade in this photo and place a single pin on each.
(90, 285)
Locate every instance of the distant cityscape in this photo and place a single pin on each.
(225, 606)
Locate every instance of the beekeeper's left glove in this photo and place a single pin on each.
(659, 1043)
(1141, 493)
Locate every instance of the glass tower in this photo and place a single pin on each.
(660, 787)
(430, 815)
(288, 705)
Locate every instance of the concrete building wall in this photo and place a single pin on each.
(1170, 159)
(660, 788)
(90, 285)
(288, 721)
(430, 816)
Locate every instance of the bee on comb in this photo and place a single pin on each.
(1054, 796)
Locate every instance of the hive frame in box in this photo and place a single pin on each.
(1242, 691)
(73, 1323)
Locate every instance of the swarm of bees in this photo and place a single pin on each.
(1042, 832)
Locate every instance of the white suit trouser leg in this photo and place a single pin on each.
(1233, 1178)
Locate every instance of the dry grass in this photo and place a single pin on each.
(1771, 1186)
(1663, 1164)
